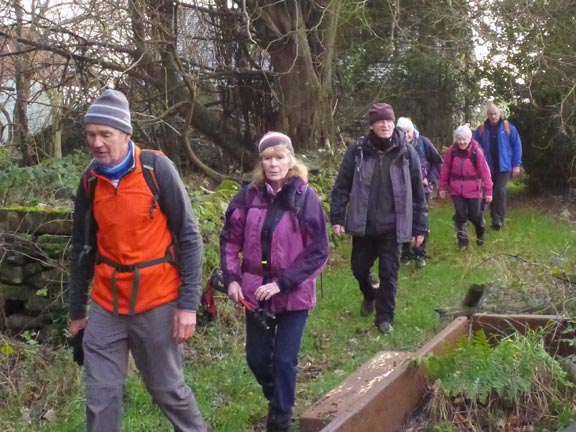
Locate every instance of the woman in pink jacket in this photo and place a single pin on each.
(466, 177)
(273, 245)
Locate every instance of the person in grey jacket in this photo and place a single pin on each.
(379, 199)
(431, 164)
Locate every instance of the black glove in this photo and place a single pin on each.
(77, 350)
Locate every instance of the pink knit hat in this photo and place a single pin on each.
(271, 139)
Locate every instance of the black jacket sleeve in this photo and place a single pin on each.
(435, 161)
(342, 187)
(82, 253)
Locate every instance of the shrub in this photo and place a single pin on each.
(479, 386)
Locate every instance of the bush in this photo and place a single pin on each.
(51, 183)
(479, 387)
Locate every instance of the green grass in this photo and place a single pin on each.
(337, 340)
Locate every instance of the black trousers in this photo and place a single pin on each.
(468, 209)
(365, 250)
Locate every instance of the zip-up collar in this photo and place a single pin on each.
(117, 172)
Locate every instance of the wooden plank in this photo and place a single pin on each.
(362, 384)
(498, 325)
(387, 400)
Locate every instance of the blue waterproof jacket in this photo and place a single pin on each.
(509, 146)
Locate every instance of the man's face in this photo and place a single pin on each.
(383, 128)
(109, 146)
(493, 114)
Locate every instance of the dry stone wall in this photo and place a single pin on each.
(34, 253)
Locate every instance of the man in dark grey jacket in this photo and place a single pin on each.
(378, 198)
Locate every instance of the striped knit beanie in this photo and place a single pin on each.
(110, 109)
(271, 139)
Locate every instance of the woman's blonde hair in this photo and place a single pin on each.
(298, 168)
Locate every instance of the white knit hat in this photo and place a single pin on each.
(463, 131)
(405, 123)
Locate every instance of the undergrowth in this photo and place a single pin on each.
(480, 386)
(37, 380)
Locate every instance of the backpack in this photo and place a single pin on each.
(506, 128)
(422, 148)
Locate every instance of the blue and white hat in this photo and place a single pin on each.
(110, 109)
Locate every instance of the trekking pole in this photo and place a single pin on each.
(262, 316)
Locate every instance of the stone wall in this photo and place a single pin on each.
(34, 248)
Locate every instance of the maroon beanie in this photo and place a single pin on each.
(271, 139)
(380, 111)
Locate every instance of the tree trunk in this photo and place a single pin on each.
(23, 80)
(299, 37)
(160, 63)
(56, 114)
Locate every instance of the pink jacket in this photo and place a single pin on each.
(298, 248)
(465, 173)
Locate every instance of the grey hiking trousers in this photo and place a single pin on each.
(148, 336)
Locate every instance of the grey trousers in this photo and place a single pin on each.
(498, 204)
(148, 336)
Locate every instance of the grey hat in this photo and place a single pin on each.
(110, 109)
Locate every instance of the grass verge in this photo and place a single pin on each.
(337, 340)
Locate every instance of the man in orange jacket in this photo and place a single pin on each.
(145, 264)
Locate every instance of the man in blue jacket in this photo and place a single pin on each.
(503, 150)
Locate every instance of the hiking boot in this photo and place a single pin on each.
(405, 259)
(367, 307)
(462, 247)
(496, 226)
(373, 281)
(480, 235)
(420, 262)
(385, 327)
(278, 422)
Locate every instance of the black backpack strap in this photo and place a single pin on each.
(300, 199)
(89, 181)
(148, 160)
(473, 157)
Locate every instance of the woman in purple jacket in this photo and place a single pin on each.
(273, 245)
(466, 176)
